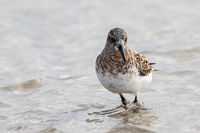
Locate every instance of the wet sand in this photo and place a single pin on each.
(47, 55)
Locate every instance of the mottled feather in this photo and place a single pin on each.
(119, 74)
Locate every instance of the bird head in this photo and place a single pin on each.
(117, 39)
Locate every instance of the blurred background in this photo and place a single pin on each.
(48, 51)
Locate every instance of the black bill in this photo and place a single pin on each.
(121, 50)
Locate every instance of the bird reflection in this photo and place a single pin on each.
(131, 113)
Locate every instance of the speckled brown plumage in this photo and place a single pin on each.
(121, 70)
(111, 61)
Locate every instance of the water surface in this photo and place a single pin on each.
(47, 55)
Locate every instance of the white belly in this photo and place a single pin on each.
(124, 83)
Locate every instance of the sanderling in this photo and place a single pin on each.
(121, 70)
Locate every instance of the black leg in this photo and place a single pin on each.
(135, 101)
(123, 99)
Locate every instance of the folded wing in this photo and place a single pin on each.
(142, 64)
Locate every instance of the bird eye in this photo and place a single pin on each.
(112, 39)
(126, 39)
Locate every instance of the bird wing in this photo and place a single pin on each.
(143, 66)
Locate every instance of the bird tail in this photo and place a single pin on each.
(152, 63)
(153, 68)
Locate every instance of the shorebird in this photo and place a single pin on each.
(121, 70)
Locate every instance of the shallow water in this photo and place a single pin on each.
(47, 55)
